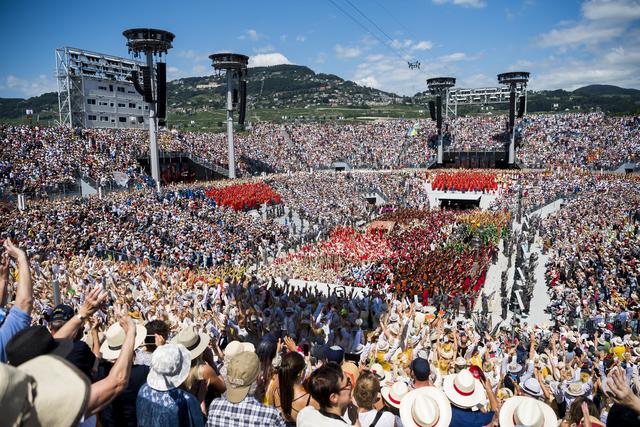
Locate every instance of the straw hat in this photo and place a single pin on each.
(575, 389)
(195, 342)
(393, 395)
(461, 362)
(528, 412)
(382, 346)
(45, 391)
(114, 339)
(463, 390)
(425, 407)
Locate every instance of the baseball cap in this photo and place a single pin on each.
(62, 312)
(420, 368)
(241, 373)
(334, 354)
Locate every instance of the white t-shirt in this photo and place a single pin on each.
(311, 417)
(386, 420)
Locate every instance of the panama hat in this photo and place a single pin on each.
(461, 362)
(382, 346)
(425, 407)
(195, 342)
(393, 395)
(575, 389)
(170, 366)
(114, 339)
(617, 341)
(531, 387)
(527, 412)
(44, 391)
(463, 390)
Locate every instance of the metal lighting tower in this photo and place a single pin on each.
(152, 43)
(439, 86)
(515, 80)
(235, 66)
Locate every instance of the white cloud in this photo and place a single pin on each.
(300, 38)
(422, 45)
(268, 59)
(580, 34)
(345, 52)
(264, 49)
(368, 81)
(453, 57)
(252, 35)
(611, 10)
(283, 38)
(28, 87)
(602, 21)
(476, 80)
(463, 3)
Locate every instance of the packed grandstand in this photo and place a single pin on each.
(290, 296)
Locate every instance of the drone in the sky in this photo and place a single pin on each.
(414, 65)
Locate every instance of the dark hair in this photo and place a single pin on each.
(266, 351)
(574, 413)
(323, 382)
(291, 367)
(620, 415)
(155, 327)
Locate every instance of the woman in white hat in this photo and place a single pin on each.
(203, 376)
(425, 407)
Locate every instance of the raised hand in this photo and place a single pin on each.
(92, 300)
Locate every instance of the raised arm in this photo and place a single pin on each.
(24, 294)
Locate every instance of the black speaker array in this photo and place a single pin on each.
(512, 110)
(161, 82)
(242, 110)
(432, 110)
(439, 113)
(146, 84)
(521, 102)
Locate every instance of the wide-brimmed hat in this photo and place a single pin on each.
(393, 395)
(617, 341)
(170, 366)
(394, 328)
(378, 371)
(425, 407)
(359, 349)
(44, 391)
(114, 339)
(526, 411)
(242, 372)
(195, 342)
(463, 390)
(393, 317)
(35, 341)
(419, 319)
(575, 389)
(531, 387)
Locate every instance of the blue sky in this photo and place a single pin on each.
(563, 43)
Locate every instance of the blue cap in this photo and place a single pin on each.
(334, 354)
(420, 368)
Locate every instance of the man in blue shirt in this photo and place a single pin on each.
(19, 317)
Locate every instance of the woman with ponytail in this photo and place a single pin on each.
(289, 395)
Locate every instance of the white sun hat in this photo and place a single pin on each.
(527, 412)
(170, 366)
(393, 395)
(463, 390)
(425, 407)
